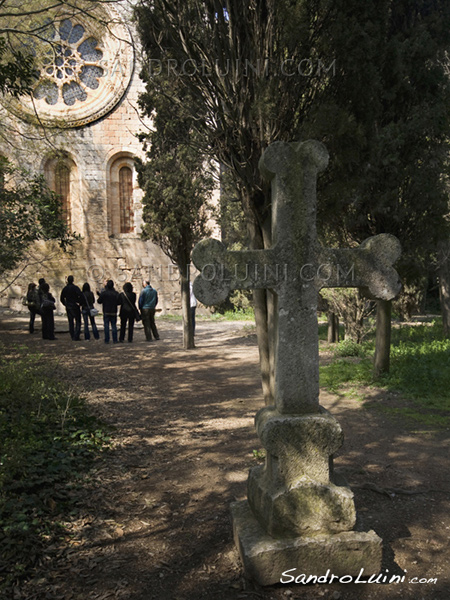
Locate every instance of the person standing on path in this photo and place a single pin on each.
(148, 300)
(33, 303)
(86, 311)
(41, 282)
(72, 298)
(47, 308)
(110, 299)
(193, 306)
(128, 312)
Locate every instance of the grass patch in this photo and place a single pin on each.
(47, 442)
(229, 315)
(420, 372)
(233, 315)
(342, 372)
(169, 318)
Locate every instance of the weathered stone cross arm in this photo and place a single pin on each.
(368, 267)
(222, 271)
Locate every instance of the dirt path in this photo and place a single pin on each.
(154, 517)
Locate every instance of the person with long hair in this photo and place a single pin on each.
(86, 312)
(128, 312)
(48, 305)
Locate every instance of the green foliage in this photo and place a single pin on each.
(410, 300)
(421, 364)
(47, 440)
(420, 372)
(342, 371)
(382, 109)
(235, 315)
(259, 455)
(351, 307)
(16, 70)
(233, 85)
(177, 178)
(29, 211)
(385, 120)
(349, 348)
(230, 216)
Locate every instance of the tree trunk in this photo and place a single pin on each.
(444, 285)
(383, 338)
(188, 332)
(260, 238)
(262, 333)
(336, 327)
(333, 328)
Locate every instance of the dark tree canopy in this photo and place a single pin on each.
(385, 120)
(368, 78)
(177, 178)
(230, 56)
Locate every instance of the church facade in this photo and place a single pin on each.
(79, 129)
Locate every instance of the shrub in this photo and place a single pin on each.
(47, 439)
(349, 348)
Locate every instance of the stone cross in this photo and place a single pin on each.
(299, 513)
(296, 268)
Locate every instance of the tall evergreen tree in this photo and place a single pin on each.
(177, 180)
(232, 58)
(385, 119)
(366, 78)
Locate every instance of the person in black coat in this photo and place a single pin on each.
(72, 298)
(128, 312)
(86, 312)
(110, 299)
(47, 307)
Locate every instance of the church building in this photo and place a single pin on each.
(79, 129)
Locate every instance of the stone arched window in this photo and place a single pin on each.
(121, 182)
(62, 189)
(60, 174)
(126, 199)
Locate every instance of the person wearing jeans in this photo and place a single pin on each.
(107, 321)
(72, 299)
(86, 312)
(110, 299)
(147, 304)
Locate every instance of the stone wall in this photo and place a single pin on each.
(94, 154)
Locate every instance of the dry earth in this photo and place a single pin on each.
(153, 519)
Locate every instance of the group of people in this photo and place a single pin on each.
(79, 303)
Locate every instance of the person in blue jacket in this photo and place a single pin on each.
(148, 300)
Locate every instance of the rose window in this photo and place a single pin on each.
(71, 66)
(85, 67)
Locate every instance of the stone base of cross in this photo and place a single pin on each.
(298, 513)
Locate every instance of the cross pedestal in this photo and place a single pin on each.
(298, 514)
